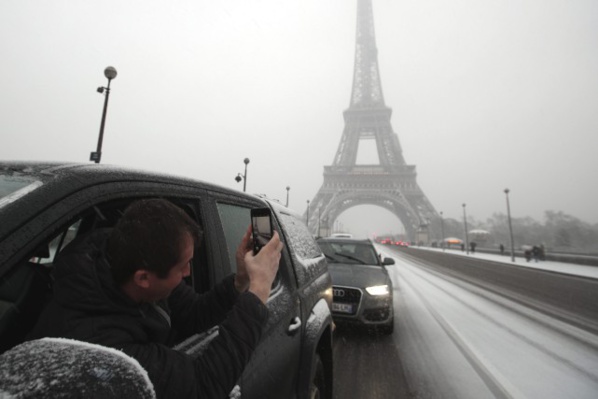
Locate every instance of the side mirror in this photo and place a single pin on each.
(388, 261)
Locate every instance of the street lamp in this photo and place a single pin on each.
(307, 215)
(243, 176)
(109, 73)
(510, 226)
(466, 234)
(442, 230)
(288, 188)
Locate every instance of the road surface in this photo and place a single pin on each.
(473, 329)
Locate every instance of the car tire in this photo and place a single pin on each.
(318, 380)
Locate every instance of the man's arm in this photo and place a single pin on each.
(191, 312)
(256, 273)
(215, 372)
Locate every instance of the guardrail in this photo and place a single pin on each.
(579, 259)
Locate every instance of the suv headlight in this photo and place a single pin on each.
(378, 290)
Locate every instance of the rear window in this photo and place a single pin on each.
(14, 187)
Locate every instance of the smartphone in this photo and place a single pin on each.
(261, 227)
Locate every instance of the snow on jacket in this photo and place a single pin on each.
(87, 306)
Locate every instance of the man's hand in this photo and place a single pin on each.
(262, 268)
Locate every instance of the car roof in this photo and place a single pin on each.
(57, 180)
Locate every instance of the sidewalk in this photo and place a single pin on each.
(560, 267)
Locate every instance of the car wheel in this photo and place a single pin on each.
(318, 380)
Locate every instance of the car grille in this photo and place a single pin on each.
(345, 295)
(380, 314)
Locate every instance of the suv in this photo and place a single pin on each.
(361, 286)
(45, 206)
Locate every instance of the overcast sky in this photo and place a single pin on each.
(485, 94)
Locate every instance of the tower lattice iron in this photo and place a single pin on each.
(390, 184)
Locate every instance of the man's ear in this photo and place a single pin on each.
(141, 278)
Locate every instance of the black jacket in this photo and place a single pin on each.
(88, 306)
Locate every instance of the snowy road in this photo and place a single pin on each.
(458, 339)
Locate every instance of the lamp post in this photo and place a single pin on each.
(510, 226)
(243, 176)
(307, 215)
(288, 188)
(442, 230)
(466, 234)
(109, 73)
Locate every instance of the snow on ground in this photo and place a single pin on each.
(457, 340)
(560, 267)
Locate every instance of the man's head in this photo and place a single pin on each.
(151, 246)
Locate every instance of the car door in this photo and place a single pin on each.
(273, 369)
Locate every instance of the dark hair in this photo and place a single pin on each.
(149, 236)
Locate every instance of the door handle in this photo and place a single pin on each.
(295, 326)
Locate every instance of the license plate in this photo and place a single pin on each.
(342, 307)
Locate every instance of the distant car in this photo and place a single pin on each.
(362, 289)
(342, 235)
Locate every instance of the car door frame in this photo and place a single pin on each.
(282, 330)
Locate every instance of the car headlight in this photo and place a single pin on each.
(378, 290)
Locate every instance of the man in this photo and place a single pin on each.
(124, 289)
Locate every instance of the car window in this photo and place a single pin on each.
(14, 187)
(235, 221)
(47, 252)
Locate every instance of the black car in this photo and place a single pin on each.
(362, 289)
(45, 206)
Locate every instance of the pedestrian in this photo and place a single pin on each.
(502, 249)
(528, 254)
(462, 247)
(472, 245)
(124, 289)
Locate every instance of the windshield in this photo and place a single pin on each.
(13, 187)
(349, 253)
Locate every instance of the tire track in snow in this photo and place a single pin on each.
(492, 378)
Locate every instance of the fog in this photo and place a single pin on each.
(485, 95)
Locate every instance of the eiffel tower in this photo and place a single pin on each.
(391, 184)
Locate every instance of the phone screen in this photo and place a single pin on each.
(261, 224)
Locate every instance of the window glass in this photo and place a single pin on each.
(47, 253)
(349, 253)
(235, 221)
(14, 187)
